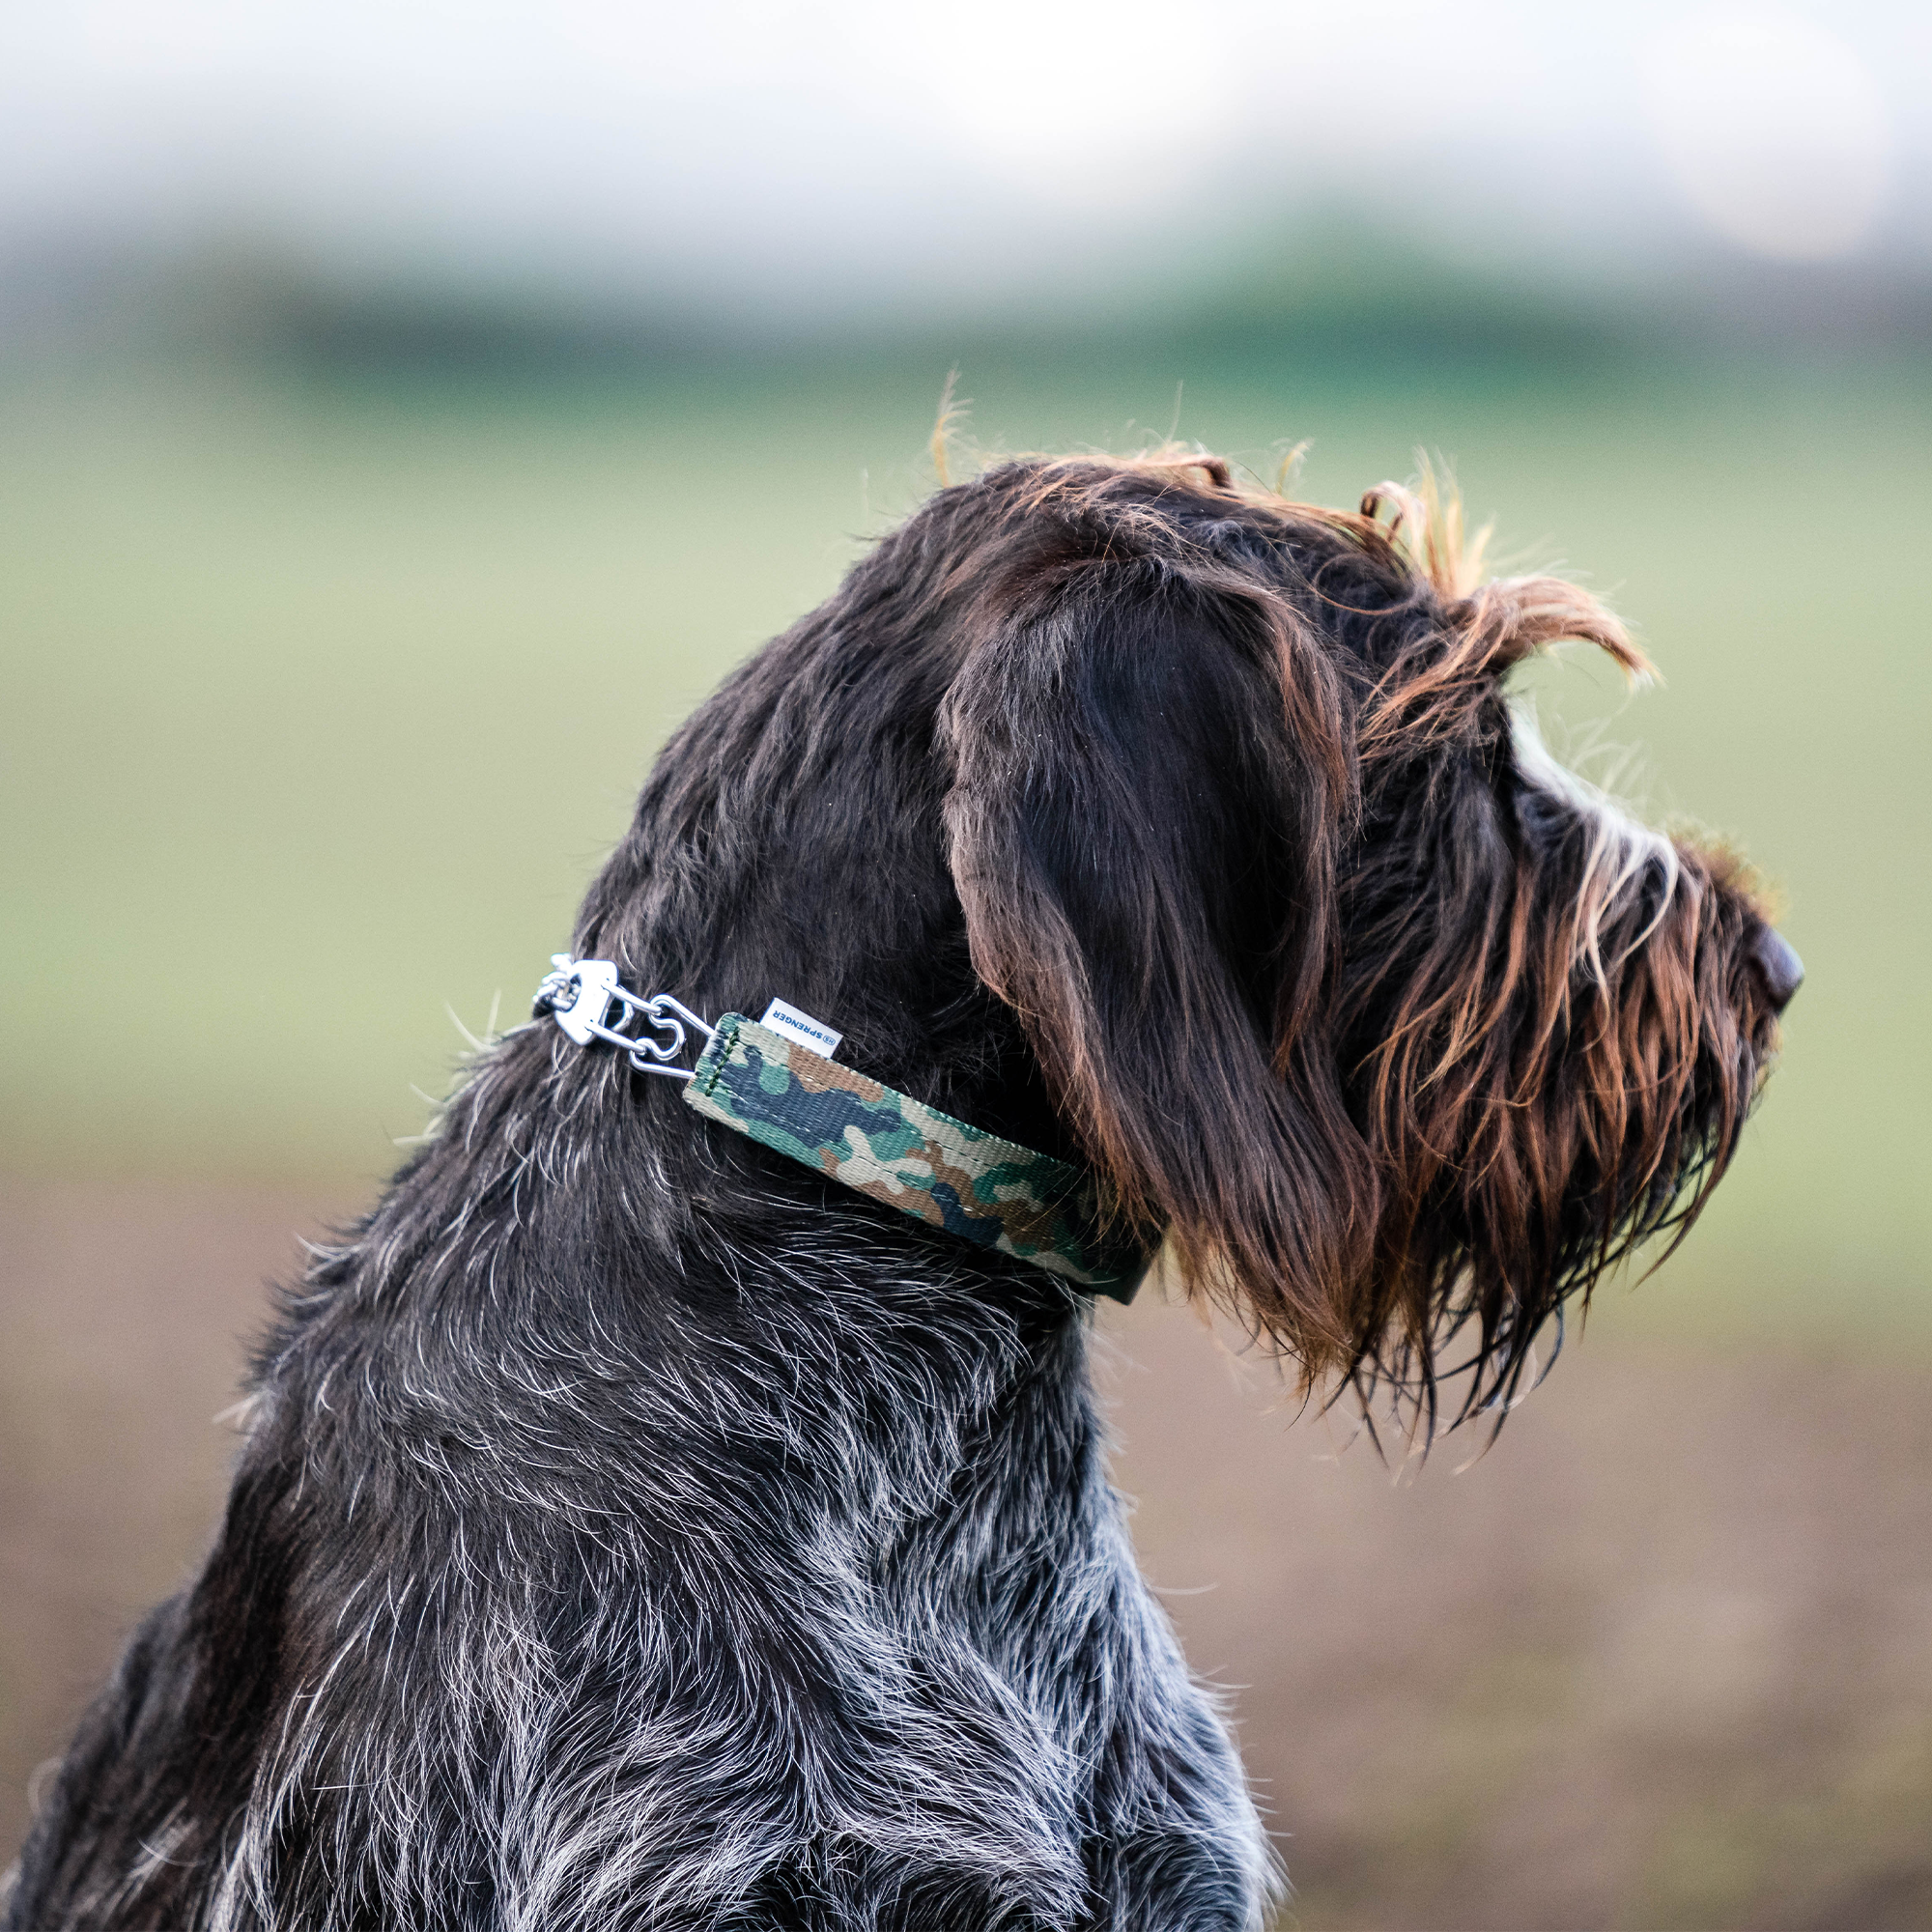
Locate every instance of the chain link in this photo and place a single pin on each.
(579, 995)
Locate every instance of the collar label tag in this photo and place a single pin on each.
(803, 1028)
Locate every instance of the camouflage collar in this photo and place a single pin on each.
(832, 1118)
(992, 1192)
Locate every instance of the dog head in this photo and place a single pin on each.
(1395, 1028)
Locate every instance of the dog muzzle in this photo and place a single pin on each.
(775, 1081)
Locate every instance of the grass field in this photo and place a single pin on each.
(325, 695)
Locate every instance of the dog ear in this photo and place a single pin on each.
(1153, 767)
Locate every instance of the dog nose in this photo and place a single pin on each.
(1778, 964)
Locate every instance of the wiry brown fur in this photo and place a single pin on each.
(1482, 1085)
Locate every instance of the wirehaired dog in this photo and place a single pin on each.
(646, 1523)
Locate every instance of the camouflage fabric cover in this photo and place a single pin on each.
(992, 1192)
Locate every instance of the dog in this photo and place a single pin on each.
(681, 1503)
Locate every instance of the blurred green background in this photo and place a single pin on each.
(330, 687)
(405, 419)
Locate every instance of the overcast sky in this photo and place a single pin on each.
(865, 147)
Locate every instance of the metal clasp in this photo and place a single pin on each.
(581, 994)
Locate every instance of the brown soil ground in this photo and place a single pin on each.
(1662, 1659)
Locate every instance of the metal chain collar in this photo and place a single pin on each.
(581, 995)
